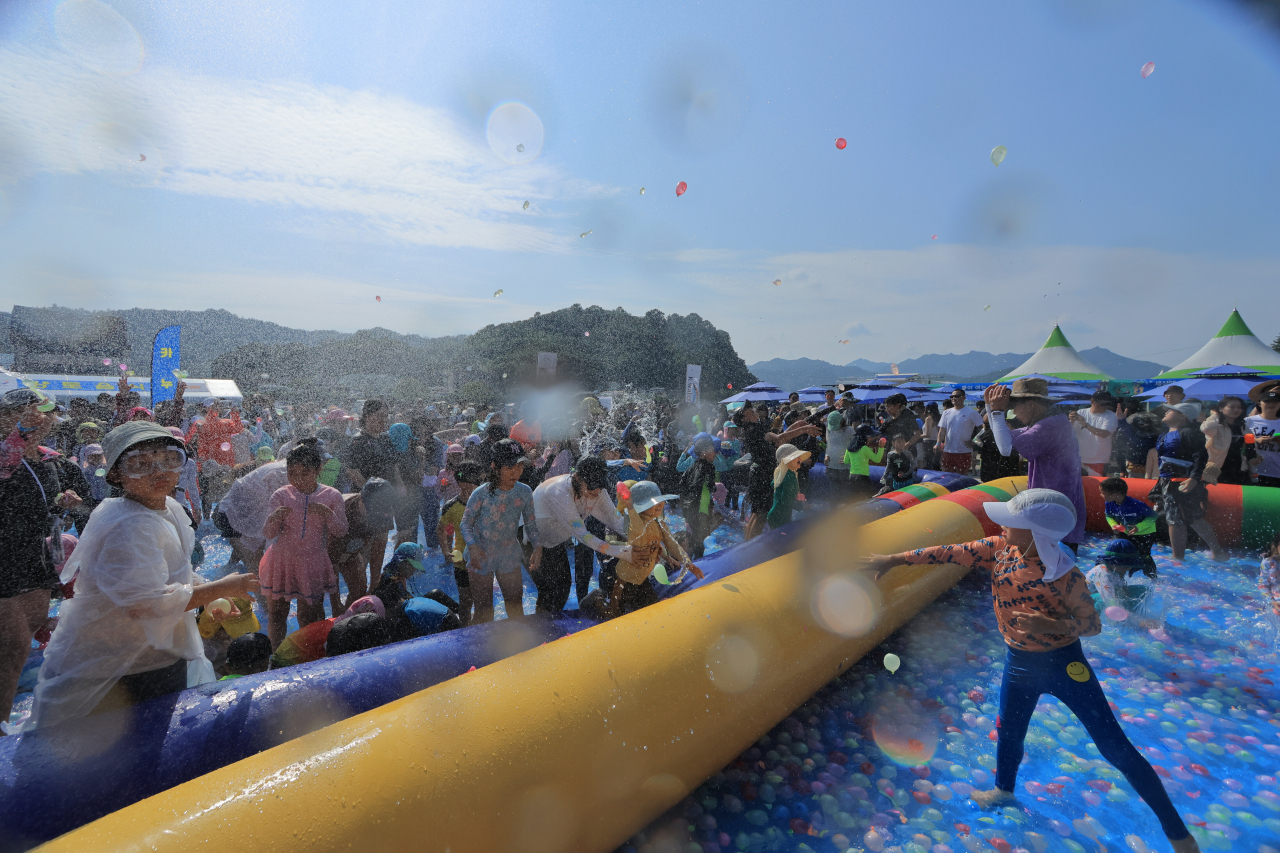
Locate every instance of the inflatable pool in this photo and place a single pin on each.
(52, 782)
(783, 560)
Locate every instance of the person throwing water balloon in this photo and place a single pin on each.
(1043, 608)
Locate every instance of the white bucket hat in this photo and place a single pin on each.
(1049, 515)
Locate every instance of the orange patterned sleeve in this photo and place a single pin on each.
(980, 553)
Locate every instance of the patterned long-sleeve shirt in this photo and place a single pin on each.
(491, 520)
(1033, 616)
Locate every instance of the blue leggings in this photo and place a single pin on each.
(1027, 675)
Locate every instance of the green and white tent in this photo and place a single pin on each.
(1234, 344)
(1058, 358)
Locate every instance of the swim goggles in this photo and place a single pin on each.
(140, 463)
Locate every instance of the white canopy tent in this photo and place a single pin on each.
(1059, 359)
(1234, 344)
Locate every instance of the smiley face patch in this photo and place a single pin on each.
(1078, 671)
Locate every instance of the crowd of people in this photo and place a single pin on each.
(104, 501)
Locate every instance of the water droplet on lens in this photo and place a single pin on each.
(520, 147)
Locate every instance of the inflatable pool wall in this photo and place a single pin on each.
(577, 744)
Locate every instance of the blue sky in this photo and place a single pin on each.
(305, 158)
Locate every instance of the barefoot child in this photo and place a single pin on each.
(304, 515)
(489, 525)
(1043, 607)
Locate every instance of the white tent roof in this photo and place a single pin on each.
(1234, 344)
(1058, 358)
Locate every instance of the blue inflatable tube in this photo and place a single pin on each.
(52, 781)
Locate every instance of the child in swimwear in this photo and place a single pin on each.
(1043, 607)
(649, 538)
(489, 524)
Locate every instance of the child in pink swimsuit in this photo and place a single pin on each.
(304, 514)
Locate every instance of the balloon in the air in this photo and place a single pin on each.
(892, 662)
(840, 143)
(1147, 69)
(225, 446)
(680, 188)
(986, 307)
(1116, 613)
(106, 361)
(998, 154)
(730, 386)
(379, 298)
(526, 205)
(497, 293)
(584, 233)
(642, 191)
(777, 282)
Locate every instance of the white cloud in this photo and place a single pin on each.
(375, 161)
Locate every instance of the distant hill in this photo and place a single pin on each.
(596, 347)
(973, 366)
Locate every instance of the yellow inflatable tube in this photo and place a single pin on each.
(577, 744)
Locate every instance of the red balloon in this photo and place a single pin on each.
(730, 386)
(379, 298)
(935, 236)
(840, 143)
(680, 188)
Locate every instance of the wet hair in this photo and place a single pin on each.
(702, 445)
(305, 455)
(360, 632)
(1114, 486)
(496, 432)
(249, 651)
(470, 472)
(372, 407)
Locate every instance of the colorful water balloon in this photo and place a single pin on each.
(584, 233)
(986, 307)
(225, 446)
(680, 188)
(106, 361)
(101, 472)
(378, 298)
(777, 282)
(935, 236)
(845, 341)
(587, 334)
(642, 191)
(1116, 613)
(122, 366)
(497, 293)
(1147, 69)
(998, 154)
(526, 205)
(129, 373)
(892, 662)
(730, 386)
(504, 376)
(840, 143)
(660, 574)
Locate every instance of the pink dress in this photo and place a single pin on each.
(296, 564)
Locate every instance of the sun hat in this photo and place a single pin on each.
(20, 398)
(1268, 391)
(92, 449)
(785, 454)
(1049, 515)
(130, 433)
(646, 495)
(593, 471)
(1031, 389)
(1190, 411)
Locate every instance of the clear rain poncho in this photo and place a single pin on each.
(248, 503)
(129, 613)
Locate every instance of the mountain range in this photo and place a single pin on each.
(973, 366)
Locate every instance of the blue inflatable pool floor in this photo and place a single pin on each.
(1195, 695)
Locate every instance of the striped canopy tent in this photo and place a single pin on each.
(1058, 359)
(1234, 344)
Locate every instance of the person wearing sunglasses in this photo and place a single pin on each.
(130, 633)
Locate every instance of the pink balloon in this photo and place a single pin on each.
(840, 143)
(122, 366)
(1116, 613)
(106, 361)
(1147, 69)
(225, 446)
(378, 298)
(935, 236)
(680, 188)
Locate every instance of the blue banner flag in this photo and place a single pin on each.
(165, 362)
